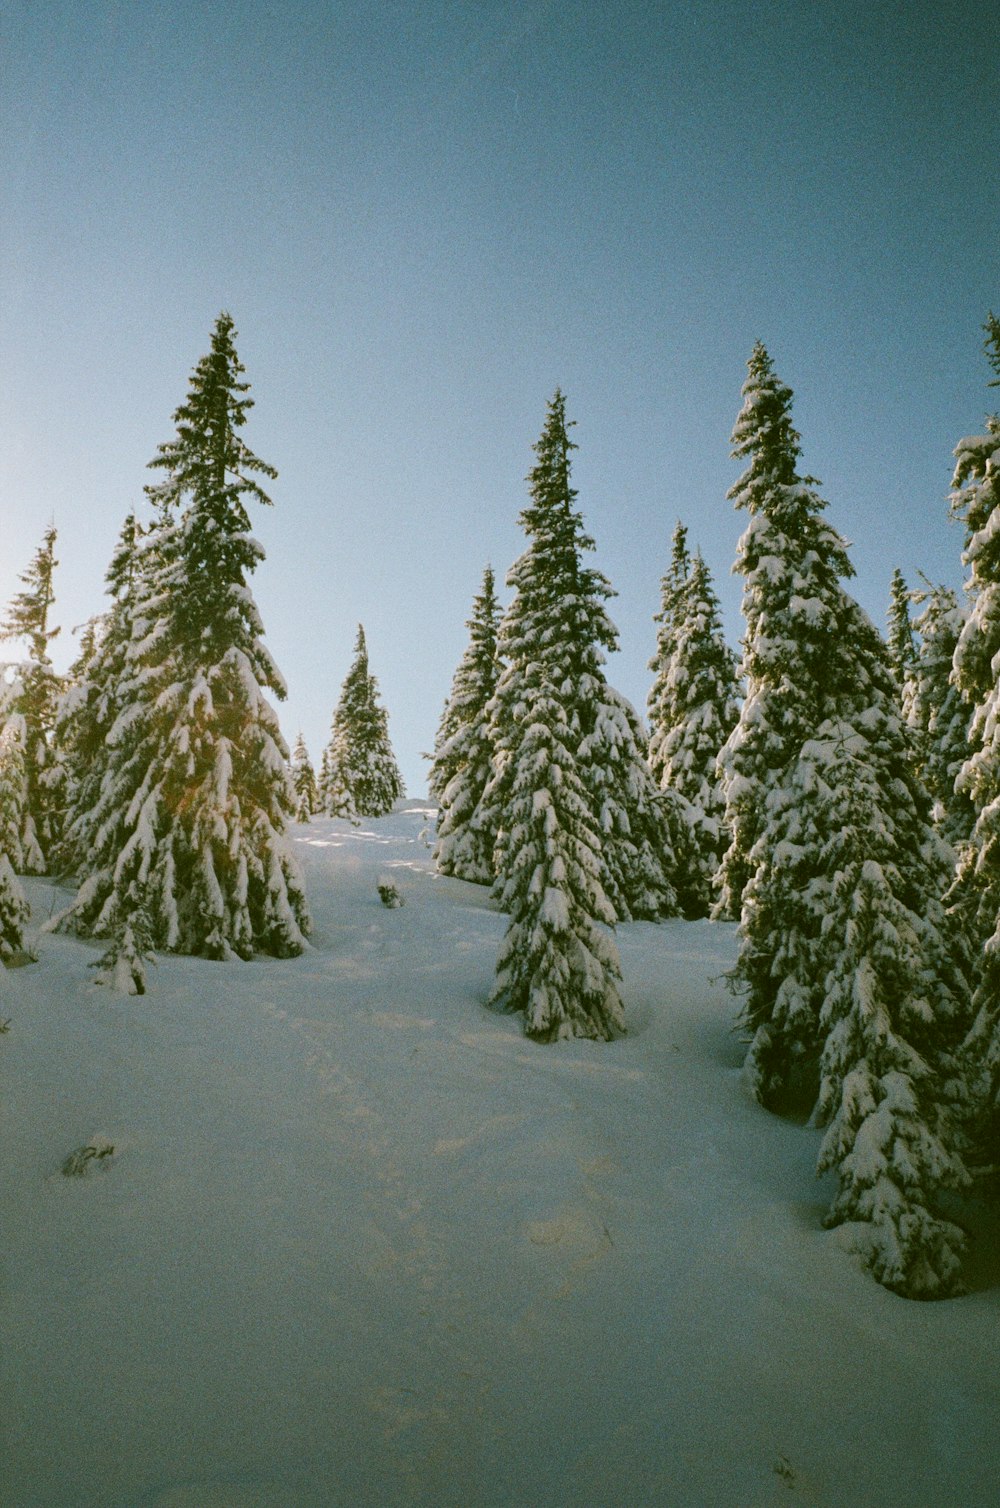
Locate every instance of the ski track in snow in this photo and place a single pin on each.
(361, 1242)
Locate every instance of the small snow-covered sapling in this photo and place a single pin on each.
(388, 894)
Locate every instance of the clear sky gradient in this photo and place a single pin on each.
(424, 217)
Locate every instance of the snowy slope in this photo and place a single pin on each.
(362, 1243)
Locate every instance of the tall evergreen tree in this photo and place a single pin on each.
(337, 797)
(363, 774)
(190, 850)
(672, 588)
(811, 656)
(35, 702)
(463, 758)
(120, 719)
(92, 701)
(72, 713)
(13, 903)
(693, 710)
(17, 831)
(940, 713)
(976, 501)
(902, 643)
(13, 911)
(887, 1094)
(791, 561)
(557, 963)
(11, 789)
(121, 845)
(303, 782)
(557, 627)
(323, 779)
(445, 728)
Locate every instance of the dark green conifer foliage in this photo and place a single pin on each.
(447, 724)
(13, 903)
(902, 643)
(888, 1089)
(812, 657)
(672, 587)
(338, 800)
(35, 702)
(13, 911)
(13, 796)
(464, 749)
(226, 768)
(303, 782)
(693, 709)
(940, 714)
(363, 776)
(123, 965)
(557, 625)
(323, 779)
(93, 701)
(976, 895)
(191, 849)
(557, 963)
(789, 557)
(118, 827)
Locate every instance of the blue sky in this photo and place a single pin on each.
(424, 217)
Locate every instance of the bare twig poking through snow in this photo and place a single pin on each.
(388, 894)
(78, 1162)
(4, 1025)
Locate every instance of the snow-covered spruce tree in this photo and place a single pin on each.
(363, 774)
(11, 791)
(645, 840)
(323, 780)
(13, 910)
(238, 886)
(123, 966)
(303, 782)
(463, 757)
(887, 1089)
(190, 851)
(35, 702)
(16, 829)
(115, 844)
(976, 501)
(72, 714)
(336, 793)
(672, 586)
(695, 711)
(557, 963)
(13, 903)
(940, 714)
(92, 701)
(557, 629)
(810, 655)
(901, 643)
(791, 562)
(445, 728)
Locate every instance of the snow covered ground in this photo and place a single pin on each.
(360, 1242)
